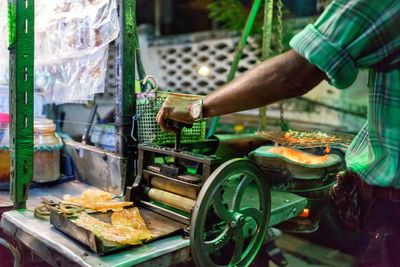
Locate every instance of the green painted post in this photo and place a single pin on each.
(238, 55)
(21, 99)
(125, 97)
(125, 93)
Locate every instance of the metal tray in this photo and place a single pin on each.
(159, 226)
(273, 162)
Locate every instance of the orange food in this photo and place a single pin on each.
(298, 156)
(327, 149)
(305, 213)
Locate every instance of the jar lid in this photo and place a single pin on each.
(42, 125)
(4, 118)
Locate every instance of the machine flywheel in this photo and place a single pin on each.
(231, 215)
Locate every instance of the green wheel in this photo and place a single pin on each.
(231, 215)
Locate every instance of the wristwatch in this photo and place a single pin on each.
(196, 110)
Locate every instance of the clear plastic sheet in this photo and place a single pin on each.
(71, 47)
(73, 80)
(3, 43)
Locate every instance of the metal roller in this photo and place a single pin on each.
(171, 186)
(182, 203)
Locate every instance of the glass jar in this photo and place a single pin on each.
(46, 166)
(4, 148)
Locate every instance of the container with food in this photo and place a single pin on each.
(46, 167)
(4, 147)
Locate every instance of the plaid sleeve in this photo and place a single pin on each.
(327, 55)
(350, 35)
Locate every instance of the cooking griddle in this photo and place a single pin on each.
(159, 226)
(308, 139)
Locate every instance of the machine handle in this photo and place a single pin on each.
(178, 126)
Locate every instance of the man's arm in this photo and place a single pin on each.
(284, 76)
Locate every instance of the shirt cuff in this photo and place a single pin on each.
(327, 55)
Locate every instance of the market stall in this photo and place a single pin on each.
(208, 199)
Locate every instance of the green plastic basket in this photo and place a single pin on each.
(147, 106)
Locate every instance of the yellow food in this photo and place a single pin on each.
(127, 227)
(129, 217)
(299, 156)
(99, 201)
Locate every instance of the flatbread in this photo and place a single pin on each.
(127, 227)
(98, 200)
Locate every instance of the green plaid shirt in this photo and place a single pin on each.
(356, 34)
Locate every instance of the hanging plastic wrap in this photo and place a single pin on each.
(71, 47)
(4, 42)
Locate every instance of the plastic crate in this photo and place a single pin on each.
(147, 106)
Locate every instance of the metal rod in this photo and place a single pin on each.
(157, 17)
(266, 53)
(173, 200)
(14, 251)
(238, 55)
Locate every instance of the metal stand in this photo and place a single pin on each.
(14, 251)
(21, 98)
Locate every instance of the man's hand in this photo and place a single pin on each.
(177, 108)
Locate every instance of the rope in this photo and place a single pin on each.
(39, 148)
(284, 125)
(48, 148)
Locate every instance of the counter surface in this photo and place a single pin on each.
(59, 250)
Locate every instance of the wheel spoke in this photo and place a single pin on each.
(237, 197)
(253, 213)
(220, 241)
(239, 241)
(219, 207)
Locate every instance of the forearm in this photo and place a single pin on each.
(285, 76)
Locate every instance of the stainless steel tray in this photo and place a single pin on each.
(159, 226)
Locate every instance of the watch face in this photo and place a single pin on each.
(196, 111)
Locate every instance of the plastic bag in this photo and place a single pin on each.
(4, 54)
(71, 47)
(73, 81)
(73, 28)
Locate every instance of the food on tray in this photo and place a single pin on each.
(298, 156)
(295, 138)
(99, 201)
(127, 227)
(129, 217)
